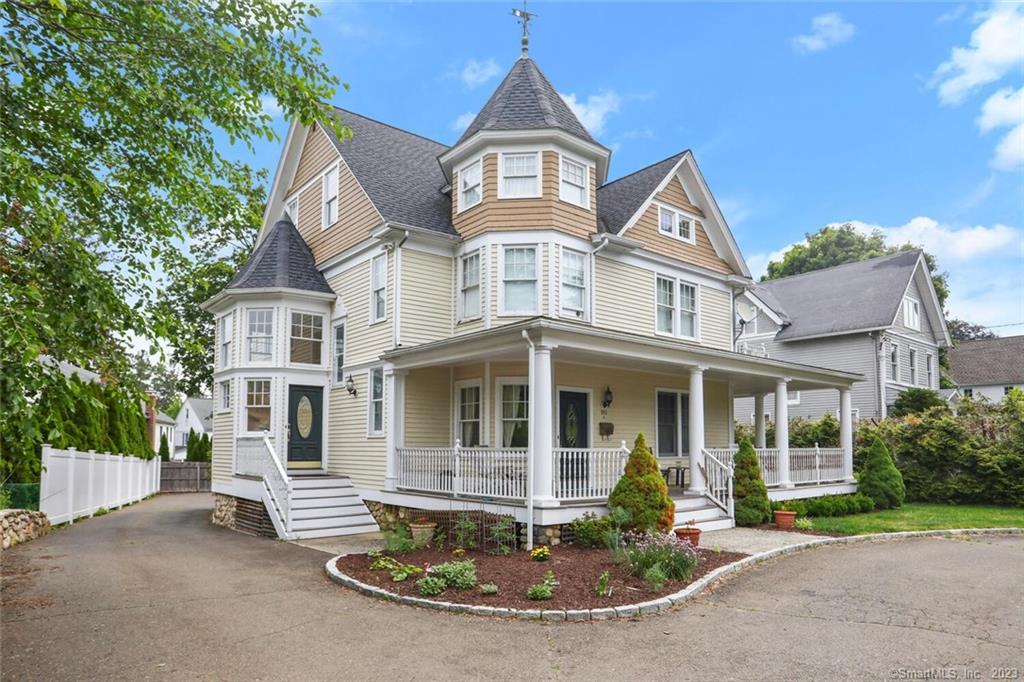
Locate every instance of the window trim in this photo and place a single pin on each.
(457, 420)
(370, 400)
(245, 405)
(895, 369)
(225, 339)
(249, 337)
(562, 158)
(499, 384)
(854, 414)
(338, 375)
(373, 308)
(324, 197)
(460, 206)
(684, 443)
(929, 373)
(585, 317)
(297, 311)
(912, 365)
(294, 199)
(461, 288)
(501, 175)
(538, 273)
(225, 392)
(677, 309)
(692, 240)
(912, 305)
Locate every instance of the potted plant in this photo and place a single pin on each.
(422, 530)
(784, 518)
(689, 532)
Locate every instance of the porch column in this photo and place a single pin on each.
(759, 428)
(846, 430)
(782, 431)
(541, 428)
(394, 422)
(696, 425)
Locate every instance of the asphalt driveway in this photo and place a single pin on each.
(155, 592)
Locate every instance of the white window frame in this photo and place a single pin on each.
(246, 405)
(539, 186)
(372, 432)
(224, 400)
(929, 372)
(499, 421)
(479, 184)
(894, 369)
(226, 330)
(683, 443)
(912, 362)
(463, 288)
(338, 373)
(678, 214)
(502, 310)
(584, 313)
(374, 288)
(249, 337)
(293, 213)
(291, 323)
(968, 392)
(790, 400)
(912, 313)
(327, 188)
(457, 417)
(562, 181)
(677, 307)
(854, 414)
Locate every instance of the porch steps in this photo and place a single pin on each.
(326, 506)
(698, 508)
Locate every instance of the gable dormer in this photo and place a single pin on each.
(525, 162)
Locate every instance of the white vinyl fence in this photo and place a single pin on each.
(74, 483)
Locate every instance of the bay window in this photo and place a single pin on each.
(470, 187)
(468, 416)
(307, 334)
(515, 415)
(225, 395)
(574, 284)
(519, 280)
(376, 404)
(469, 286)
(520, 175)
(330, 206)
(574, 183)
(257, 405)
(261, 335)
(378, 288)
(226, 332)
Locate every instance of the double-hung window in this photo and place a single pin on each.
(675, 224)
(330, 207)
(912, 313)
(468, 417)
(913, 366)
(339, 351)
(470, 187)
(226, 332)
(519, 280)
(574, 284)
(376, 404)
(520, 175)
(676, 307)
(928, 359)
(261, 335)
(666, 305)
(469, 286)
(687, 310)
(257, 405)
(574, 184)
(515, 415)
(894, 362)
(307, 335)
(379, 288)
(225, 394)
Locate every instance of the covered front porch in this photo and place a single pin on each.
(542, 414)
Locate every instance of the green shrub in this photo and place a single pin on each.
(655, 578)
(165, 450)
(915, 401)
(603, 589)
(642, 491)
(677, 558)
(828, 505)
(460, 575)
(751, 496)
(590, 530)
(102, 511)
(881, 480)
(503, 535)
(5, 498)
(430, 586)
(398, 541)
(803, 524)
(465, 532)
(488, 588)
(540, 592)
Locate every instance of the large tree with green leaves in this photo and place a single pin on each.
(110, 113)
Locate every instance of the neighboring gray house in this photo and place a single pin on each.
(879, 317)
(988, 368)
(196, 414)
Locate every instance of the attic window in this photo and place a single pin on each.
(912, 314)
(520, 176)
(330, 209)
(676, 224)
(470, 192)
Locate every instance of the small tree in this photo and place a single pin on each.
(881, 480)
(165, 450)
(915, 401)
(190, 446)
(205, 448)
(752, 505)
(642, 491)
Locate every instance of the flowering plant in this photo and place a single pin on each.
(458, 552)
(542, 553)
(676, 557)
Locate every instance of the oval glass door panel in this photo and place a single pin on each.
(304, 417)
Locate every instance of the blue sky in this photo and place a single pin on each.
(909, 117)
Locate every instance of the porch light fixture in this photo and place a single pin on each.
(607, 397)
(350, 385)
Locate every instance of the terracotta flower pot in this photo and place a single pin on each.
(784, 519)
(689, 533)
(422, 532)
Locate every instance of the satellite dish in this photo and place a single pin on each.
(746, 310)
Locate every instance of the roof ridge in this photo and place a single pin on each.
(647, 167)
(390, 125)
(841, 265)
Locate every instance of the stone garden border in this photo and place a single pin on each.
(654, 605)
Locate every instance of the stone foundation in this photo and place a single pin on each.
(388, 516)
(21, 525)
(542, 535)
(224, 507)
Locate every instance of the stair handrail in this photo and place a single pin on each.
(715, 471)
(283, 482)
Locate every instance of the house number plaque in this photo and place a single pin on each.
(304, 417)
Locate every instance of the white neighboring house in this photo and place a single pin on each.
(988, 368)
(196, 414)
(164, 427)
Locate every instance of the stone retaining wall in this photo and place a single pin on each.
(22, 525)
(224, 510)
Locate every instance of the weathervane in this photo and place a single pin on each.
(524, 18)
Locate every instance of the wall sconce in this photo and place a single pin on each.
(607, 397)
(350, 385)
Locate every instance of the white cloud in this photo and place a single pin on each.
(269, 106)
(476, 73)
(758, 263)
(979, 194)
(948, 244)
(1005, 109)
(1010, 150)
(953, 14)
(827, 30)
(594, 112)
(995, 49)
(638, 134)
(735, 210)
(462, 121)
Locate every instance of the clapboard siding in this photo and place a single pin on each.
(428, 411)
(317, 154)
(624, 296)
(924, 334)
(715, 318)
(427, 300)
(364, 342)
(351, 452)
(222, 464)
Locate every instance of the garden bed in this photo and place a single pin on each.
(576, 569)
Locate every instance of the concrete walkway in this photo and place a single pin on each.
(155, 592)
(751, 540)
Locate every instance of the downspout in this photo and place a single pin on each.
(529, 449)
(879, 344)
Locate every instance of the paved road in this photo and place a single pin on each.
(155, 592)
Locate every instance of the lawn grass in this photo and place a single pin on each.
(922, 516)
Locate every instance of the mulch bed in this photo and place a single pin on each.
(819, 533)
(576, 568)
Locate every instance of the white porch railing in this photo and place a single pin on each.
(498, 473)
(255, 456)
(718, 478)
(806, 465)
(586, 473)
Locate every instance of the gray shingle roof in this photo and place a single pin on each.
(988, 362)
(844, 298)
(203, 410)
(398, 170)
(618, 200)
(525, 100)
(281, 260)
